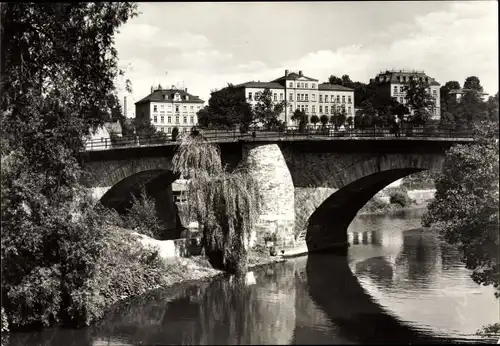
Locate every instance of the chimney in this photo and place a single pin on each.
(151, 89)
(286, 73)
(300, 73)
(173, 86)
(125, 106)
(186, 89)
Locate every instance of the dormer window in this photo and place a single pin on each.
(165, 97)
(177, 97)
(186, 97)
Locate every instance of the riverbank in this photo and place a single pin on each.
(393, 209)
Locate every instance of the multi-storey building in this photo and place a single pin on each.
(304, 93)
(169, 108)
(391, 83)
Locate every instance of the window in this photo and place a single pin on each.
(169, 129)
(199, 107)
(320, 109)
(192, 119)
(169, 119)
(313, 86)
(162, 119)
(191, 108)
(290, 97)
(176, 119)
(169, 106)
(155, 108)
(306, 85)
(338, 98)
(185, 108)
(162, 129)
(307, 109)
(320, 98)
(281, 96)
(291, 109)
(332, 109)
(249, 96)
(302, 108)
(332, 99)
(291, 85)
(155, 119)
(326, 109)
(313, 97)
(401, 100)
(177, 108)
(275, 97)
(314, 109)
(326, 98)
(343, 99)
(307, 97)
(348, 110)
(162, 106)
(349, 99)
(395, 89)
(185, 119)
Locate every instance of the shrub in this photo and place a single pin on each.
(400, 197)
(142, 216)
(375, 205)
(175, 133)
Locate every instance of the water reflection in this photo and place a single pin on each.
(397, 285)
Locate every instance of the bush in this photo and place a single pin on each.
(142, 216)
(374, 205)
(175, 133)
(400, 197)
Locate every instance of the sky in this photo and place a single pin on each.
(204, 46)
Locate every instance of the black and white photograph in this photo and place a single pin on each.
(249, 173)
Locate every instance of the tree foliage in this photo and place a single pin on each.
(226, 108)
(142, 217)
(465, 208)
(266, 111)
(225, 204)
(58, 66)
(420, 100)
(473, 83)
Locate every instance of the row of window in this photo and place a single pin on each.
(303, 85)
(305, 109)
(401, 90)
(191, 108)
(257, 94)
(169, 129)
(169, 119)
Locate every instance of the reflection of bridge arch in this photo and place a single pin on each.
(336, 290)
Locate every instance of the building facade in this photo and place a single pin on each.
(304, 93)
(169, 108)
(392, 82)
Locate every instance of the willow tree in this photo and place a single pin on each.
(225, 204)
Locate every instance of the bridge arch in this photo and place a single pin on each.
(326, 227)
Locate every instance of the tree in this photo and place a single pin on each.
(349, 122)
(465, 208)
(447, 121)
(471, 109)
(473, 83)
(299, 115)
(57, 70)
(324, 120)
(225, 204)
(334, 80)
(226, 108)
(419, 100)
(314, 119)
(448, 102)
(266, 111)
(358, 120)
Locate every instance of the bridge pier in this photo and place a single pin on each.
(267, 165)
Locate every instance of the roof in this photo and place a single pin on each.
(334, 87)
(253, 84)
(115, 127)
(159, 96)
(293, 76)
(394, 76)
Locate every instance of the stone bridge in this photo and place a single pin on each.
(313, 185)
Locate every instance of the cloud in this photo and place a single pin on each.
(146, 35)
(448, 45)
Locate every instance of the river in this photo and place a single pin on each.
(398, 284)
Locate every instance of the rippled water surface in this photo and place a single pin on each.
(398, 284)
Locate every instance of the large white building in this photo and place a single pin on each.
(302, 92)
(392, 83)
(169, 108)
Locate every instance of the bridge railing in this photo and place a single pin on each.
(288, 133)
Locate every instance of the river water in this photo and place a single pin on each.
(398, 284)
